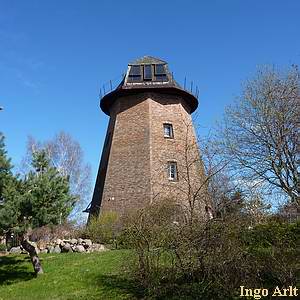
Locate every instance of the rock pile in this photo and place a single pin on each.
(63, 246)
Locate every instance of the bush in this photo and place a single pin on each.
(51, 232)
(209, 259)
(103, 229)
(2, 248)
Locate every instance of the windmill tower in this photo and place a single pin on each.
(150, 150)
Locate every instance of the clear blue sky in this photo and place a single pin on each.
(54, 56)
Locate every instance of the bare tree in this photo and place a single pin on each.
(199, 162)
(66, 156)
(261, 131)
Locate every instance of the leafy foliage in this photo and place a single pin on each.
(2, 247)
(103, 229)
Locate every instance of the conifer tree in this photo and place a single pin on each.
(48, 193)
(9, 190)
(41, 198)
(5, 165)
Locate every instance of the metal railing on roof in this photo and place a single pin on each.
(111, 85)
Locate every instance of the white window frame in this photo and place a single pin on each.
(170, 128)
(172, 174)
(209, 212)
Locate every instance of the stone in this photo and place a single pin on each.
(80, 249)
(50, 249)
(88, 242)
(15, 250)
(79, 245)
(73, 241)
(56, 249)
(58, 241)
(102, 248)
(42, 244)
(66, 248)
(98, 248)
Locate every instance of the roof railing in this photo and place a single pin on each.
(111, 85)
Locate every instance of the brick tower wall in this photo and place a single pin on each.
(133, 168)
(127, 182)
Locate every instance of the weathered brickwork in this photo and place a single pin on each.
(139, 153)
(127, 183)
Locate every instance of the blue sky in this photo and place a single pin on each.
(55, 55)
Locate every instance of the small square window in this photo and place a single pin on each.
(172, 170)
(160, 73)
(134, 73)
(168, 131)
(160, 69)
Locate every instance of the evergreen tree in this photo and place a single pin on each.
(9, 192)
(42, 198)
(5, 166)
(48, 193)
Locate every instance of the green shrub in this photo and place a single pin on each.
(103, 229)
(2, 247)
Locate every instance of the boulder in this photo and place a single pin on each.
(42, 244)
(98, 248)
(44, 251)
(73, 241)
(79, 241)
(79, 248)
(15, 250)
(87, 242)
(66, 248)
(58, 241)
(56, 249)
(50, 249)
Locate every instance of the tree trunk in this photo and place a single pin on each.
(33, 255)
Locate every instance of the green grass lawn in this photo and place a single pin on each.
(68, 276)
